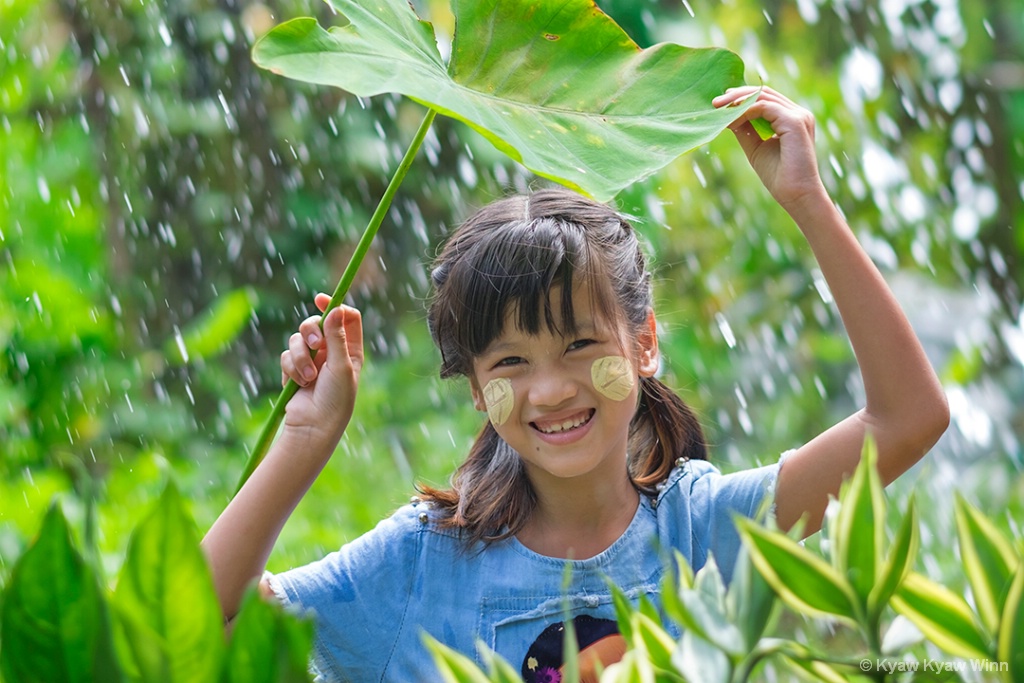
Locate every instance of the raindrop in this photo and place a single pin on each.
(124, 75)
(808, 11)
(180, 343)
(165, 34)
(726, 330)
(44, 189)
(467, 172)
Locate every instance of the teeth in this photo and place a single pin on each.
(564, 426)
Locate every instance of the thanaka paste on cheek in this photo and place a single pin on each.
(499, 399)
(613, 377)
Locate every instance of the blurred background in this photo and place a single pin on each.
(167, 212)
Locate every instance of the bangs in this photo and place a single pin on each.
(517, 269)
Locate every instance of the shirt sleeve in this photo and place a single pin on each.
(712, 501)
(358, 597)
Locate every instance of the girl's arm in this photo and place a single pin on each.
(905, 408)
(239, 542)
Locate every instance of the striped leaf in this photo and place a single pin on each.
(804, 581)
(943, 617)
(988, 560)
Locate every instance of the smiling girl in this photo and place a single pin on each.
(586, 461)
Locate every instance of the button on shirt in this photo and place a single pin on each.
(375, 597)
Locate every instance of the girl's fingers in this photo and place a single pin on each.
(310, 331)
(299, 365)
(343, 329)
(322, 300)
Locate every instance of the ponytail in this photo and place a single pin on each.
(490, 497)
(664, 430)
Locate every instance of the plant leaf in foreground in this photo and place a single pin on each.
(165, 598)
(55, 623)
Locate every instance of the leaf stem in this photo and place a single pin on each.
(273, 422)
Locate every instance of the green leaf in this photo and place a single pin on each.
(943, 616)
(988, 560)
(898, 561)
(1011, 628)
(750, 602)
(499, 671)
(860, 524)
(698, 660)
(816, 671)
(804, 581)
(54, 620)
(212, 331)
(624, 609)
(268, 645)
(166, 601)
(453, 667)
(557, 86)
(652, 640)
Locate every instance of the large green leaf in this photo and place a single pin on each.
(55, 622)
(556, 85)
(166, 601)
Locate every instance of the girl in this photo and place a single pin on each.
(544, 303)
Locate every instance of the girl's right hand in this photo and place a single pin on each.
(328, 380)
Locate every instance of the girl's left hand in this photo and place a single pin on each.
(786, 162)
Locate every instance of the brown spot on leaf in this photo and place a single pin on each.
(551, 36)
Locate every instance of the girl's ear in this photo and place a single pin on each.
(648, 360)
(478, 395)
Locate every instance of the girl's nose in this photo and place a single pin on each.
(550, 388)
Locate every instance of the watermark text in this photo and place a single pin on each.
(891, 666)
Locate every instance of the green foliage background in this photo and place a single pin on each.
(167, 211)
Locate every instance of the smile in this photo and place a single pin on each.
(564, 425)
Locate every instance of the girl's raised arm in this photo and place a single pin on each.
(239, 542)
(905, 408)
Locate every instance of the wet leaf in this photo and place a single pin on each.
(55, 623)
(166, 601)
(556, 86)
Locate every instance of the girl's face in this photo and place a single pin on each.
(564, 403)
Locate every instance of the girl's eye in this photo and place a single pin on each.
(581, 343)
(511, 360)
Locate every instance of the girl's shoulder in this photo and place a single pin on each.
(701, 483)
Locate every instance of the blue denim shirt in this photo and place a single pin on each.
(375, 597)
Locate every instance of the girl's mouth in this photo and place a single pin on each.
(565, 425)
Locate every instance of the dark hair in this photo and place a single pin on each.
(509, 256)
